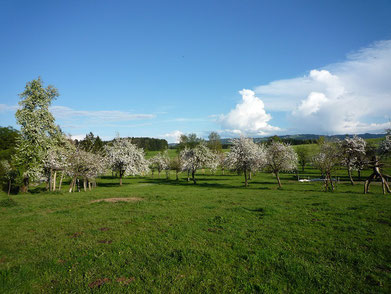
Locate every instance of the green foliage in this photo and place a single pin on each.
(91, 144)
(214, 142)
(150, 144)
(8, 141)
(190, 141)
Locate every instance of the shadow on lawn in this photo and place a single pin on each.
(201, 183)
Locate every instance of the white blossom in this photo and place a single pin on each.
(280, 157)
(126, 158)
(245, 156)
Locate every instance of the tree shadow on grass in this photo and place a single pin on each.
(200, 183)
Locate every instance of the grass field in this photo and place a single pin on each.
(216, 236)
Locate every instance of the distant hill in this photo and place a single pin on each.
(308, 137)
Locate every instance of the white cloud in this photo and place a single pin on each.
(78, 137)
(172, 137)
(63, 112)
(5, 107)
(353, 96)
(249, 117)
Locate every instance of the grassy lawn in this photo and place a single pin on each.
(216, 236)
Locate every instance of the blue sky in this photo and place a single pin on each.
(161, 68)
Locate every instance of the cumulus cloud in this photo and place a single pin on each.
(248, 117)
(172, 137)
(353, 96)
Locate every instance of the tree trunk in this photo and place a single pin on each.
(188, 175)
(54, 180)
(9, 188)
(350, 176)
(193, 177)
(62, 176)
(302, 167)
(89, 186)
(120, 178)
(85, 184)
(25, 186)
(278, 179)
(359, 175)
(245, 178)
(50, 180)
(71, 186)
(249, 175)
(152, 174)
(167, 174)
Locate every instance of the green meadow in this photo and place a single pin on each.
(216, 236)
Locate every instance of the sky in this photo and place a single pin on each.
(164, 68)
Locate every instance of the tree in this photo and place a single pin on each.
(125, 158)
(214, 142)
(8, 140)
(37, 129)
(161, 162)
(280, 157)
(352, 149)
(8, 174)
(326, 160)
(303, 156)
(190, 141)
(383, 151)
(175, 164)
(196, 158)
(246, 156)
(92, 144)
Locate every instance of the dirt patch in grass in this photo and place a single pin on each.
(115, 200)
(105, 241)
(98, 283)
(104, 229)
(76, 235)
(125, 281)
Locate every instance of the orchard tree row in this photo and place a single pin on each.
(44, 153)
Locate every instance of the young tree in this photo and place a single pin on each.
(280, 157)
(196, 158)
(246, 156)
(303, 156)
(125, 158)
(8, 174)
(352, 149)
(326, 160)
(37, 129)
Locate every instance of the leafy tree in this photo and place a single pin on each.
(38, 130)
(126, 158)
(303, 156)
(246, 156)
(280, 157)
(188, 141)
(92, 144)
(8, 174)
(8, 140)
(214, 142)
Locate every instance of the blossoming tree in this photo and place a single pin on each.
(280, 157)
(245, 156)
(352, 150)
(126, 158)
